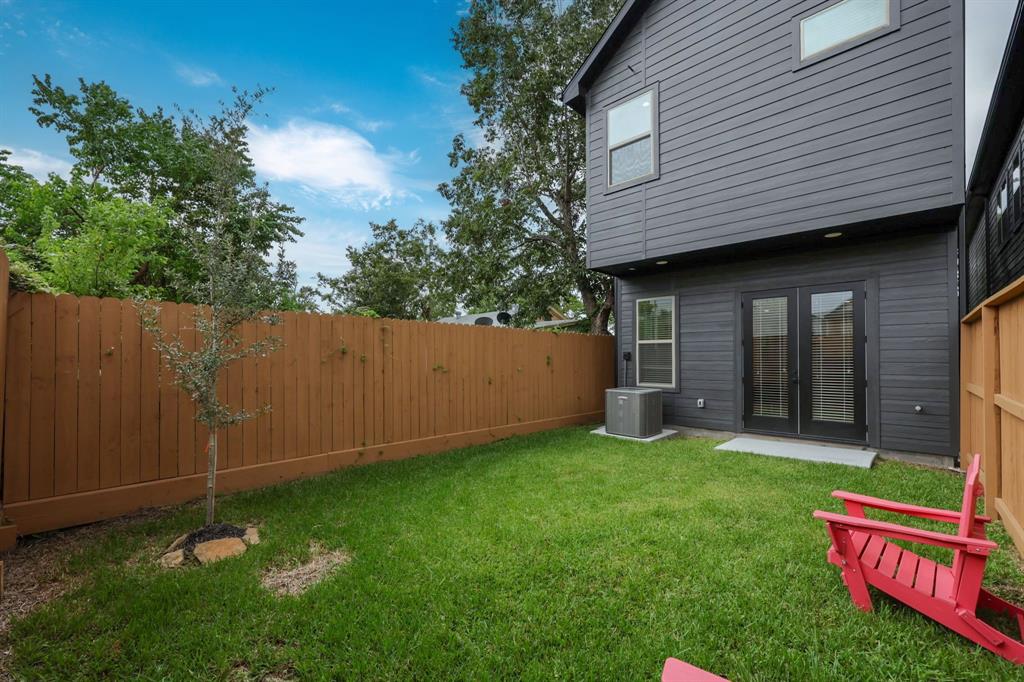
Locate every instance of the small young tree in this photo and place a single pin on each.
(233, 284)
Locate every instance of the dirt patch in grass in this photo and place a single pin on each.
(36, 571)
(295, 580)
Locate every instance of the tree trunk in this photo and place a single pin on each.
(211, 475)
(599, 322)
(601, 313)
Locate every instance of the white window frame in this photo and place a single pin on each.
(609, 148)
(800, 61)
(637, 342)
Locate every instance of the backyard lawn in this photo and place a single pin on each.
(556, 555)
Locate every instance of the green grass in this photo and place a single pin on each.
(557, 555)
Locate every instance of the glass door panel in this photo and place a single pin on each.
(832, 361)
(770, 361)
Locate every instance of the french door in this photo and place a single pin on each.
(803, 361)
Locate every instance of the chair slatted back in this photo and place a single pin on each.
(968, 510)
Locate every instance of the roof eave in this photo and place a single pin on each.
(574, 94)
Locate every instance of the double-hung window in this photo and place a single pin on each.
(632, 140)
(656, 342)
(843, 25)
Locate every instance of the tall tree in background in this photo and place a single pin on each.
(399, 273)
(135, 168)
(517, 229)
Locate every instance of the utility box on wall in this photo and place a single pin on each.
(633, 412)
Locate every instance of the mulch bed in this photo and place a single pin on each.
(214, 531)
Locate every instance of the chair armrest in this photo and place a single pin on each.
(930, 513)
(898, 532)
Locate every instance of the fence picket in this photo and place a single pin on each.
(131, 383)
(41, 399)
(65, 416)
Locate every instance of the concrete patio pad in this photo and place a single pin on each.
(804, 451)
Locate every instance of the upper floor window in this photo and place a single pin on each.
(1001, 199)
(844, 24)
(631, 140)
(1015, 176)
(656, 342)
(1015, 203)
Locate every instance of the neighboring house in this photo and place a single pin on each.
(555, 319)
(777, 189)
(995, 200)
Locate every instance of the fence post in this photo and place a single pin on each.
(966, 351)
(8, 532)
(990, 377)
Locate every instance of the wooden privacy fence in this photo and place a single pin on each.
(93, 428)
(992, 402)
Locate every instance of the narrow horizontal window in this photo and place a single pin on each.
(841, 23)
(631, 139)
(656, 342)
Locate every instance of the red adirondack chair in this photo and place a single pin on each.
(949, 595)
(678, 671)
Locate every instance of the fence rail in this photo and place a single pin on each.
(992, 402)
(93, 427)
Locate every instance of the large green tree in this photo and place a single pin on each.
(517, 229)
(132, 165)
(400, 273)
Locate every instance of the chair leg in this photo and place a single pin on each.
(853, 574)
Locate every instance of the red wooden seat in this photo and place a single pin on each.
(951, 595)
(678, 671)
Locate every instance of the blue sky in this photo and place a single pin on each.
(357, 130)
(366, 99)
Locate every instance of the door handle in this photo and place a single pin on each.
(794, 378)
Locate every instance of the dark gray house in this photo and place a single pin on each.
(777, 189)
(995, 200)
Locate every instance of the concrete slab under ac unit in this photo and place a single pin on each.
(665, 433)
(802, 451)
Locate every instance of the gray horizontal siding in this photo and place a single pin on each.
(751, 149)
(908, 328)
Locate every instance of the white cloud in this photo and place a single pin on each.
(441, 81)
(69, 41)
(38, 163)
(372, 126)
(365, 124)
(987, 27)
(197, 76)
(326, 159)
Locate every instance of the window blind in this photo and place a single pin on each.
(655, 346)
(832, 371)
(770, 381)
(841, 22)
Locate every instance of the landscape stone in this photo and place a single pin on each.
(252, 535)
(178, 542)
(173, 559)
(215, 550)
